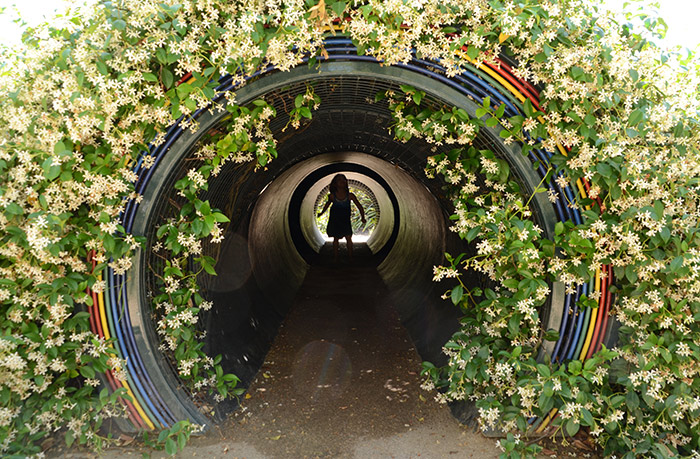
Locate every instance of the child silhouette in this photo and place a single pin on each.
(339, 226)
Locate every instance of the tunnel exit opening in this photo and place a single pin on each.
(368, 201)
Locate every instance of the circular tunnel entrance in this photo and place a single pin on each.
(272, 237)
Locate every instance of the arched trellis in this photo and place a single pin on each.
(582, 331)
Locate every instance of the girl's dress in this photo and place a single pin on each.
(339, 220)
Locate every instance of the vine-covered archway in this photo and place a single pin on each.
(564, 152)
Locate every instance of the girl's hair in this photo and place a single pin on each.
(334, 186)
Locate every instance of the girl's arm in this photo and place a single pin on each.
(328, 203)
(359, 207)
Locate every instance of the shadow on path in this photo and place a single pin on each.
(342, 378)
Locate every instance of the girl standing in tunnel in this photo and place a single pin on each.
(339, 225)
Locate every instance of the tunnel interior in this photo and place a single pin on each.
(273, 238)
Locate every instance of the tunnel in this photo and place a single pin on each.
(272, 238)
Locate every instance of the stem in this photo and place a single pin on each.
(549, 168)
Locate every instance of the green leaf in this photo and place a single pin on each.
(572, 427)
(191, 104)
(170, 447)
(548, 388)
(576, 72)
(575, 367)
(604, 169)
(102, 68)
(676, 264)
(162, 55)
(209, 222)
(457, 294)
(587, 417)
(14, 209)
(503, 171)
(167, 77)
(87, 371)
(510, 283)
(69, 438)
(305, 112)
(636, 117)
(205, 208)
(184, 90)
(163, 435)
(52, 172)
(501, 111)
(162, 230)
(491, 122)
(632, 400)
(417, 97)
(207, 267)
(473, 233)
(514, 324)
(545, 403)
(338, 8)
(221, 218)
(181, 441)
(551, 335)
(634, 75)
(61, 149)
(559, 228)
(665, 354)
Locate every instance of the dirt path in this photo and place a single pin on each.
(341, 380)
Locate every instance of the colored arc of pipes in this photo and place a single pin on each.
(591, 345)
(502, 81)
(597, 317)
(98, 325)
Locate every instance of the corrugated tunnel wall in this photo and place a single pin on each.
(272, 236)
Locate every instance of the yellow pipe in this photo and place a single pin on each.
(103, 316)
(594, 316)
(547, 420)
(496, 76)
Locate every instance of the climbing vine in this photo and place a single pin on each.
(84, 102)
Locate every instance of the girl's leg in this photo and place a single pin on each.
(335, 249)
(348, 239)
